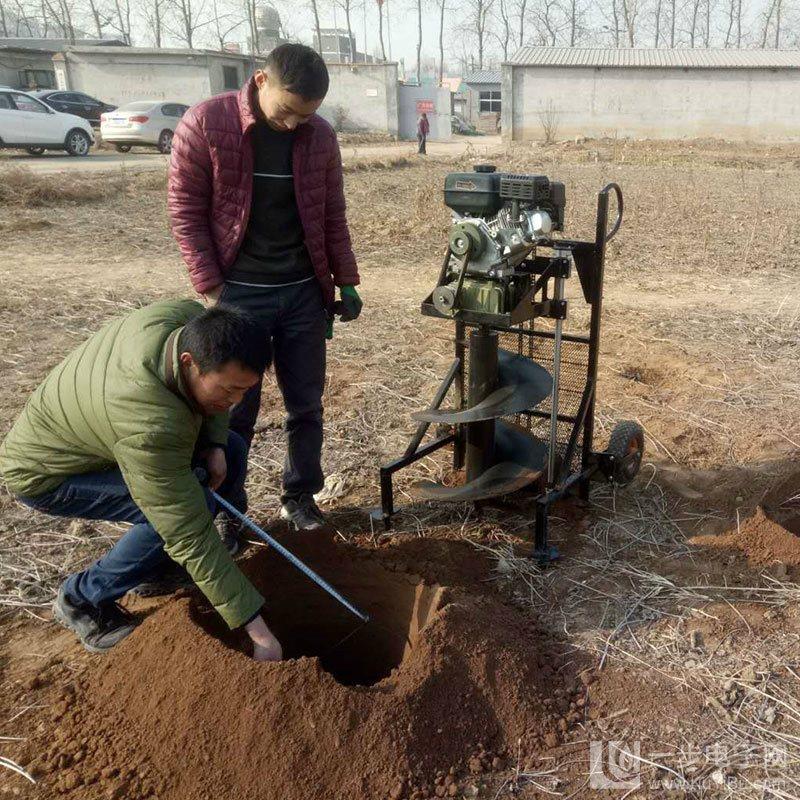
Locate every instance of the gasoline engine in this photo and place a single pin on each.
(498, 219)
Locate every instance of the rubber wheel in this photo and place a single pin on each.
(627, 447)
(165, 142)
(78, 143)
(35, 151)
(122, 148)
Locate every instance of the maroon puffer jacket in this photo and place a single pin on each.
(211, 183)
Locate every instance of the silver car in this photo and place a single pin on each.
(145, 122)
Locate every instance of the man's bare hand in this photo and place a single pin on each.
(211, 297)
(217, 466)
(265, 646)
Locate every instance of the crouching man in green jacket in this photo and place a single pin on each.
(114, 432)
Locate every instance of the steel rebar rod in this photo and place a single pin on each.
(289, 556)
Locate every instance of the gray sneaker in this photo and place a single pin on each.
(99, 629)
(302, 514)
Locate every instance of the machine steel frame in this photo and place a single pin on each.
(560, 478)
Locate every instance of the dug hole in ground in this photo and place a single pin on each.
(659, 658)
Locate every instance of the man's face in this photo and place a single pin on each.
(217, 390)
(282, 110)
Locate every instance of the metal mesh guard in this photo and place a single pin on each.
(528, 342)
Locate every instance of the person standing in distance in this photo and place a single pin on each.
(423, 129)
(256, 203)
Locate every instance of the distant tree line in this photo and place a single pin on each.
(469, 34)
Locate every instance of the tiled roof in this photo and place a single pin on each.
(655, 57)
(483, 76)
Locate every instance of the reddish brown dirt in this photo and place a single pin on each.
(440, 688)
(761, 539)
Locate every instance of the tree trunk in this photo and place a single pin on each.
(522, 9)
(124, 20)
(349, 31)
(419, 42)
(707, 35)
(483, 8)
(389, 32)
(658, 21)
(479, 26)
(765, 31)
(252, 21)
(157, 22)
(673, 11)
(777, 23)
(70, 29)
(506, 38)
(695, 11)
(629, 10)
(3, 20)
(730, 23)
(615, 15)
(573, 22)
(96, 18)
(188, 27)
(316, 24)
(441, 41)
(739, 24)
(380, 29)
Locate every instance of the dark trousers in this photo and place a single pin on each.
(295, 318)
(422, 140)
(139, 554)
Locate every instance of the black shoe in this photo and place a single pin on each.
(99, 629)
(230, 530)
(302, 514)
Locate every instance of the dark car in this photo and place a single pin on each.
(77, 103)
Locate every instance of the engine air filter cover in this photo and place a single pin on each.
(474, 193)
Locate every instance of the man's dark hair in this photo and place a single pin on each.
(300, 70)
(222, 334)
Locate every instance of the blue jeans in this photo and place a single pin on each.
(295, 319)
(139, 554)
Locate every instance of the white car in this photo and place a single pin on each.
(146, 122)
(28, 124)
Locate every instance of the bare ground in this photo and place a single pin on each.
(696, 648)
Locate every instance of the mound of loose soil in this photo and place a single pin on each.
(439, 688)
(761, 539)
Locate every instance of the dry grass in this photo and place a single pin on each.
(22, 188)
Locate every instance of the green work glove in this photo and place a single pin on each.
(350, 305)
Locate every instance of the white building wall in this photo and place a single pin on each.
(754, 104)
(120, 79)
(364, 96)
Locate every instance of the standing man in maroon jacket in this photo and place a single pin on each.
(257, 205)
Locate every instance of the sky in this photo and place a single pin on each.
(400, 32)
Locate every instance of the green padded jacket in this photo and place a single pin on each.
(108, 404)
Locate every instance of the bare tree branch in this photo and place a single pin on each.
(189, 19)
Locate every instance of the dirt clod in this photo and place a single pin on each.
(762, 540)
